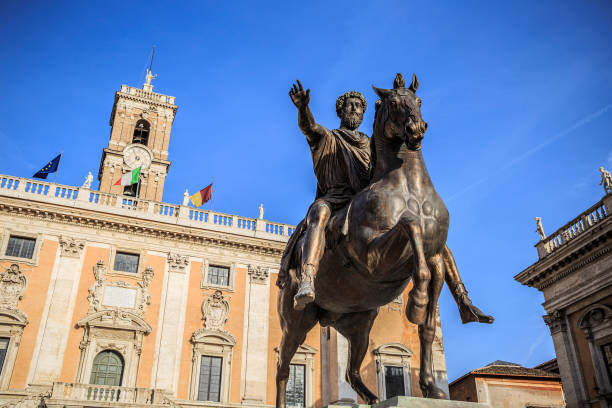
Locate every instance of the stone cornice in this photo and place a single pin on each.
(137, 226)
(578, 253)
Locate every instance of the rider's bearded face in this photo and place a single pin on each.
(352, 113)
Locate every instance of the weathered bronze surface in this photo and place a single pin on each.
(377, 222)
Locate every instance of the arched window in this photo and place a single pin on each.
(141, 132)
(107, 369)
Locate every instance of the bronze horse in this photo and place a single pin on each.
(393, 231)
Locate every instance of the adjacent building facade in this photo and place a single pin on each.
(112, 297)
(503, 385)
(574, 272)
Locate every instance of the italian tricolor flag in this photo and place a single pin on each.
(129, 178)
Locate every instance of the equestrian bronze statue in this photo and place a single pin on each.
(376, 224)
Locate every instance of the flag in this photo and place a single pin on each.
(129, 178)
(50, 167)
(202, 196)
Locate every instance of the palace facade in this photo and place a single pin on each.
(574, 272)
(111, 297)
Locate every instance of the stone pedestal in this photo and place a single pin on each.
(414, 402)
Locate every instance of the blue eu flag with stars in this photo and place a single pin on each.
(50, 167)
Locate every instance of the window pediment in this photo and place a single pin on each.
(116, 319)
(215, 337)
(393, 349)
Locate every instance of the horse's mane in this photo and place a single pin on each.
(381, 114)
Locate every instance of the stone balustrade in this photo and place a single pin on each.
(141, 93)
(105, 395)
(84, 198)
(585, 221)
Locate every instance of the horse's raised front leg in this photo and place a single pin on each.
(427, 331)
(418, 298)
(294, 325)
(467, 310)
(356, 328)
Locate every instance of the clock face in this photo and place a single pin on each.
(137, 156)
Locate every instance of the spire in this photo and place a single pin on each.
(147, 86)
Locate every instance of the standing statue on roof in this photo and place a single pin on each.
(606, 180)
(540, 228)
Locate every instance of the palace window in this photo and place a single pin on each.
(210, 379)
(218, 275)
(393, 370)
(20, 247)
(141, 132)
(4, 342)
(394, 381)
(126, 262)
(295, 396)
(606, 350)
(107, 369)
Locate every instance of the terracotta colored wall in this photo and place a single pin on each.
(32, 304)
(193, 322)
(145, 370)
(464, 390)
(71, 357)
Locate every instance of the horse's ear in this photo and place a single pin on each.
(399, 81)
(414, 85)
(382, 93)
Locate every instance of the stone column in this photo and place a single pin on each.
(345, 392)
(567, 359)
(49, 357)
(255, 355)
(171, 324)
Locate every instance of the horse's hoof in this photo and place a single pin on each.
(470, 313)
(416, 313)
(431, 391)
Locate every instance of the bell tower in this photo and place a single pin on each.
(140, 122)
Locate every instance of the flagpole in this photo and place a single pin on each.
(212, 185)
(57, 171)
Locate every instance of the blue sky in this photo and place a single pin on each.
(518, 97)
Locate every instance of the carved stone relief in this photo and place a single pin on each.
(12, 286)
(258, 274)
(215, 310)
(119, 295)
(177, 262)
(71, 247)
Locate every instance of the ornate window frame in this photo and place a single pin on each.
(305, 356)
(213, 343)
(116, 330)
(128, 250)
(232, 275)
(392, 354)
(6, 234)
(12, 320)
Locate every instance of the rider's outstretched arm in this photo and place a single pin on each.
(312, 130)
(300, 98)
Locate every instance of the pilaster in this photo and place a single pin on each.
(60, 310)
(256, 342)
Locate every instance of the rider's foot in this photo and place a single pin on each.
(470, 313)
(305, 293)
(416, 309)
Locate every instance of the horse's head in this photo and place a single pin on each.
(399, 113)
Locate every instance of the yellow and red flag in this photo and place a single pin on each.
(202, 196)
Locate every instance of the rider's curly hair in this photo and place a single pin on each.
(350, 94)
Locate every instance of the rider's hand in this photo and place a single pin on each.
(299, 96)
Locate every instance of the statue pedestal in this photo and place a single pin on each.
(414, 402)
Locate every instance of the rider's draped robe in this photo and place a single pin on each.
(341, 162)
